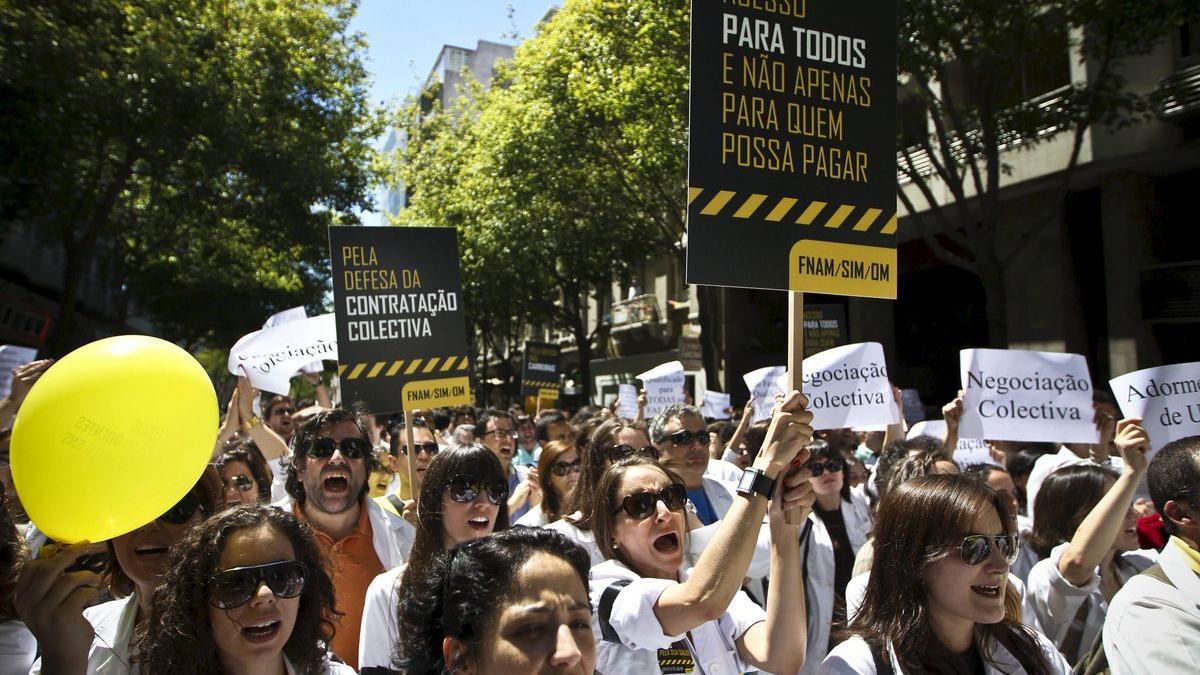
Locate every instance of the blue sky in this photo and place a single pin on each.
(405, 36)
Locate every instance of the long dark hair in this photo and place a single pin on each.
(920, 522)
(464, 592)
(592, 460)
(177, 636)
(473, 460)
(247, 452)
(207, 491)
(606, 501)
(13, 556)
(552, 502)
(1063, 501)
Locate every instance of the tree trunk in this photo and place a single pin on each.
(75, 262)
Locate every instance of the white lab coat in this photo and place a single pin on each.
(724, 471)
(391, 535)
(711, 644)
(533, 518)
(817, 552)
(853, 657)
(1055, 601)
(379, 631)
(1154, 627)
(113, 623)
(18, 648)
(585, 538)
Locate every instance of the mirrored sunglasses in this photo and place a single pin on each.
(975, 548)
(464, 489)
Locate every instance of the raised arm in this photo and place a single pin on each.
(722, 566)
(268, 442)
(952, 412)
(895, 432)
(1100, 528)
(742, 426)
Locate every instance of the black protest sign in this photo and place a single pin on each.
(824, 328)
(792, 160)
(397, 294)
(539, 375)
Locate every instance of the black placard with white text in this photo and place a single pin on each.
(540, 370)
(398, 301)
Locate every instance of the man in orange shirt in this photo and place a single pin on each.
(327, 487)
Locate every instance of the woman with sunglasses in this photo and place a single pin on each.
(245, 592)
(652, 615)
(615, 439)
(1084, 516)
(838, 526)
(559, 467)
(463, 496)
(245, 475)
(54, 589)
(939, 600)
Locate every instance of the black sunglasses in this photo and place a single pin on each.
(619, 452)
(688, 437)
(641, 505)
(975, 548)
(283, 411)
(564, 468)
(352, 448)
(832, 465)
(183, 511)
(240, 482)
(235, 587)
(464, 489)
(431, 448)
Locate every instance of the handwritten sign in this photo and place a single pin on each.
(763, 384)
(271, 356)
(287, 316)
(715, 405)
(627, 401)
(400, 330)
(664, 386)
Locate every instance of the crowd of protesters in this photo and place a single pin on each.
(323, 540)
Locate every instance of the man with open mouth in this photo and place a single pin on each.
(497, 431)
(327, 487)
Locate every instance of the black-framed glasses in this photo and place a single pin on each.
(464, 489)
(832, 465)
(239, 482)
(619, 452)
(352, 448)
(430, 448)
(184, 510)
(564, 468)
(235, 587)
(975, 548)
(641, 505)
(500, 433)
(686, 437)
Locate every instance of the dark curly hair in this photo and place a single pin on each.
(177, 636)
(13, 555)
(246, 451)
(207, 490)
(311, 431)
(463, 594)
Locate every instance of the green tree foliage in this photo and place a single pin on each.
(199, 149)
(567, 173)
(977, 69)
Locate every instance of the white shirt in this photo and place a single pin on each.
(585, 538)
(327, 668)
(818, 586)
(113, 624)
(279, 469)
(379, 631)
(533, 518)
(18, 648)
(1056, 601)
(1154, 627)
(853, 657)
(711, 645)
(723, 471)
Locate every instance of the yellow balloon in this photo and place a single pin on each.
(111, 436)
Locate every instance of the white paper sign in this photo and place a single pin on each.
(1167, 398)
(12, 356)
(1014, 395)
(848, 386)
(664, 386)
(269, 357)
(627, 401)
(287, 316)
(968, 451)
(715, 404)
(763, 385)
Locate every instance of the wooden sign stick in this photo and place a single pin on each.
(795, 358)
(409, 419)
